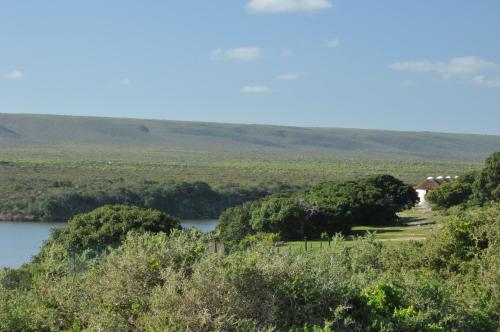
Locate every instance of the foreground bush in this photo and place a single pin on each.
(157, 282)
(161, 282)
(108, 225)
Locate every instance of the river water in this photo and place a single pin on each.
(19, 241)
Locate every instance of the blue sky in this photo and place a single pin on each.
(402, 65)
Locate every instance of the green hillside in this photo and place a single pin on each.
(52, 165)
(24, 130)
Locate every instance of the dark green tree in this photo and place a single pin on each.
(486, 186)
(329, 207)
(108, 225)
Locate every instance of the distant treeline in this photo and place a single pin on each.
(196, 200)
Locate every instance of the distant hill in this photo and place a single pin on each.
(53, 130)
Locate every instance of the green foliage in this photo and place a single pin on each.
(475, 188)
(160, 282)
(234, 223)
(465, 236)
(486, 186)
(186, 200)
(58, 166)
(386, 310)
(325, 208)
(258, 239)
(450, 194)
(108, 225)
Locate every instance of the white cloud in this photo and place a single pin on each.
(14, 75)
(332, 43)
(287, 6)
(483, 81)
(288, 76)
(461, 66)
(239, 53)
(255, 89)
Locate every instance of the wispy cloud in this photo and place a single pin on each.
(14, 75)
(483, 81)
(332, 43)
(461, 66)
(289, 76)
(286, 6)
(239, 53)
(470, 68)
(286, 53)
(255, 89)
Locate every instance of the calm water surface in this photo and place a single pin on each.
(21, 240)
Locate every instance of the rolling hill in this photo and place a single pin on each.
(24, 130)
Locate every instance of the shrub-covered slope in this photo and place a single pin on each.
(28, 129)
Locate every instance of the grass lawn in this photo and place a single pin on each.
(416, 224)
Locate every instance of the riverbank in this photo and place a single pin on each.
(21, 239)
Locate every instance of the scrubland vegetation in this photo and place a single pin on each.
(121, 268)
(158, 282)
(124, 264)
(49, 183)
(52, 167)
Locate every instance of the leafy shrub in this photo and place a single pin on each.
(450, 194)
(108, 225)
(161, 282)
(465, 236)
(477, 188)
(259, 238)
(453, 193)
(486, 186)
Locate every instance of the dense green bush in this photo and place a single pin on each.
(450, 194)
(184, 200)
(173, 281)
(486, 186)
(329, 207)
(465, 236)
(108, 225)
(476, 188)
(156, 282)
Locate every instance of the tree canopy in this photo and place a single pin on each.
(486, 186)
(476, 188)
(328, 207)
(108, 225)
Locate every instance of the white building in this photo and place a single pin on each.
(429, 184)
